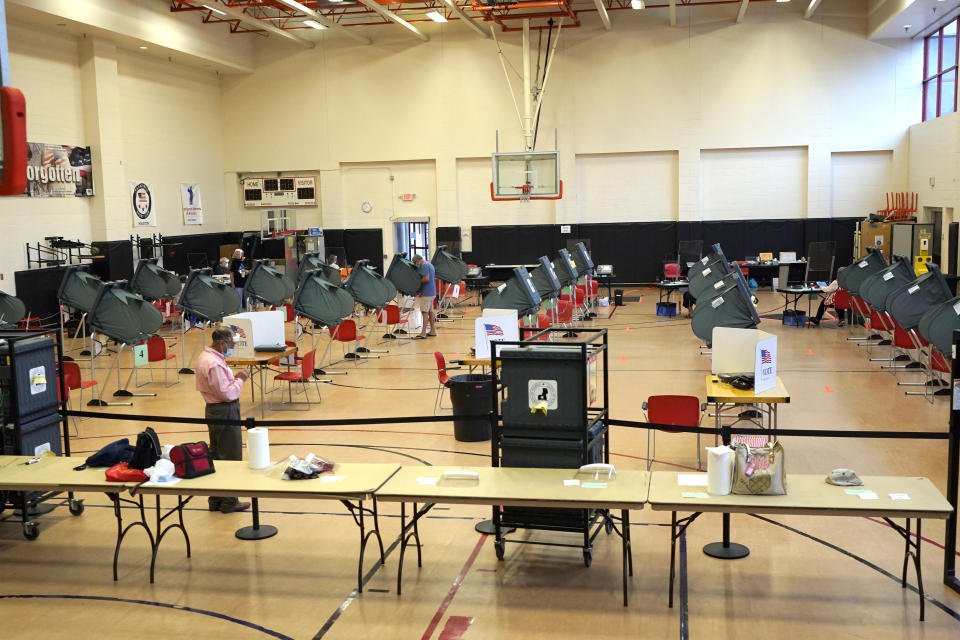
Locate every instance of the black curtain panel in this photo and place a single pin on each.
(363, 244)
(514, 244)
(637, 250)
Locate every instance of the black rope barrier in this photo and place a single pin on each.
(253, 422)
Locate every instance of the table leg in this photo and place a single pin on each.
(162, 532)
(911, 550)
(358, 511)
(407, 532)
(627, 552)
(261, 368)
(122, 531)
(257, 531)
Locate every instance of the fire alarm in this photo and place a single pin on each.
(407, 197)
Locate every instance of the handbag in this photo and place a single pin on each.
(191, 460)
(760, 471)
(121, 472)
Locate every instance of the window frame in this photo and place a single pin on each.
(937, 76)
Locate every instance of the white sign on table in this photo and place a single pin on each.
(499, 328)
(765, 367)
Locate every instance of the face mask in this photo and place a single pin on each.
(228, 352)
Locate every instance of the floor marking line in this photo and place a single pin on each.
(950, 612)
(164, 605)
(454, 588)
(455, 628)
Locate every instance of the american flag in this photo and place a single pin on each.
(238, 332)
(493, 330)
(765, 357)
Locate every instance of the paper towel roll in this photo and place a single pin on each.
(258, 448)
(719, 470)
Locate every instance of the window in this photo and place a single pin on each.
(940, 71)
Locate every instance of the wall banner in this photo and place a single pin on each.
(144, 207)
(58, 171)
(191, 204)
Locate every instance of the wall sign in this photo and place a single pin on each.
(144, 208)
(58, 171)
(191, 204)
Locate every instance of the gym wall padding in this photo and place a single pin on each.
(637, 250)
(176, 248)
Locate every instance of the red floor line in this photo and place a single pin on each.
(453, 589)
(455, 628)
(913, 534)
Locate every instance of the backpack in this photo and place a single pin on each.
(148, 450)
(115, 452)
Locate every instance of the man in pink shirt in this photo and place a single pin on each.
(220, 389)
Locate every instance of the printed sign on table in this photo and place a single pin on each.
(765, 369)
(496, 328)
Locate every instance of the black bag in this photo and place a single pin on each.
(148, 450)
(114, 453)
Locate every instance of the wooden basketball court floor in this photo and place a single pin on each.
(806, 576)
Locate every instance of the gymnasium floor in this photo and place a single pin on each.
(808, 577)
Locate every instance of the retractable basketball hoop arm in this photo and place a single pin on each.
(531, 92)
(14, 117)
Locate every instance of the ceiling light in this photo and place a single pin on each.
(436, 16)
(143, 47)
(314, 24)
(783, 0)
(637, 5)
(206, 6)
(296, 5)
(907, 26)
(334, 0)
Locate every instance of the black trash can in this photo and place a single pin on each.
(470, 394)
(618, 297)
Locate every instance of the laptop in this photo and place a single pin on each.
(270, 348)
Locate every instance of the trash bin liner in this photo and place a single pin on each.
(470, 394)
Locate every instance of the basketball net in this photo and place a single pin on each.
(525, 190)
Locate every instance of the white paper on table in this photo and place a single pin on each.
(571, 483)
(331, 478)
(426, 480)
(899, 496)
(692, 479)
(162, 483)
(868, 495)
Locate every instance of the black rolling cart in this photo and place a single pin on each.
(550, 410)
(30, 409)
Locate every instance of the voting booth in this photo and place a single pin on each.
(256, 329)
(745, 353)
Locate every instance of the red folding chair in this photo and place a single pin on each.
(443, 378)
(303, 377)
(157, 352)
(679, 411)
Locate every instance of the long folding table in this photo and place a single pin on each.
(910, 498)
(515, 487)
(349, 483)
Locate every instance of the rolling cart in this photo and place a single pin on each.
(550, 410)
(32, 422)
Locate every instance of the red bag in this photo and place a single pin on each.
(191, 460)
(121, 472)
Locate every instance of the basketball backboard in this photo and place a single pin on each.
(535, 174)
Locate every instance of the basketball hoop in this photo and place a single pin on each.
(525, 190)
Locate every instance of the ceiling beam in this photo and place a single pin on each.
(390, 15)
(466, 18)
(673, 13)
(258, 24)
(329, 24)
(743, 10)
(604, 16)
(810, 9)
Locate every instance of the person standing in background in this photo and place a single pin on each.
(220, 389)
(239, 271)
(425, 296)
